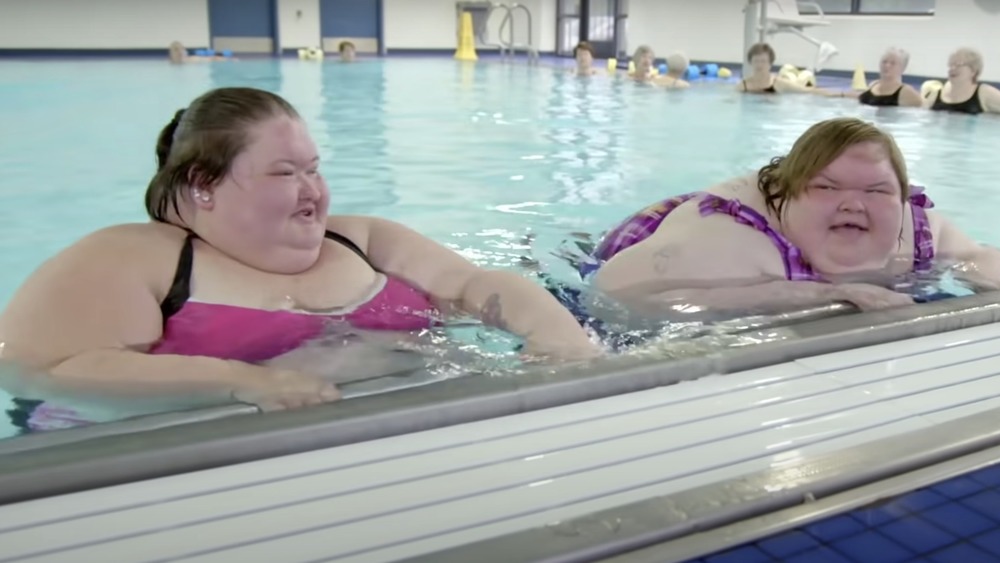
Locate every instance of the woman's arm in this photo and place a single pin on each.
(502, 299)
(910, 97)
(989, 97)
(729, 269)
(976, 263)
(90, 313)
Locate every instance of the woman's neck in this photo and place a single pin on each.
(889, 83)
(962, 87)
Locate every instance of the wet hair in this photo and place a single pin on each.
(761, 49)
(583, 46)
(785, 177)
(344, 45)
(198, 146)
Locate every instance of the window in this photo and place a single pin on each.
(923, 7)
(828, 7)
(869, 7)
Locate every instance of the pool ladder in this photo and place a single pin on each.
(507, 46)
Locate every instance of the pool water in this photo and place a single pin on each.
(476, 156)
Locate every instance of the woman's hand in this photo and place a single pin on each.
(560, 349)
(869, 297)
(285, 389)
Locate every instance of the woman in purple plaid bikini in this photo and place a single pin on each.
(838, 206)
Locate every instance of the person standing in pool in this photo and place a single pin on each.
(241, 264)
(889, 89)
(761, 57)
(348, 53)
(963, 93)
(583, 53)
(837, 208)
(643, 64)
(179, 55)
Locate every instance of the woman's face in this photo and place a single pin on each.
(272, 206)
(891, 67)
(584, 60)
(761, 63)
(960, 70)
(644, 64)
(850, 216)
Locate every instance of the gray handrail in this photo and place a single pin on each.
(146, 422)
(484, 39)
(357, 388)
(508, 25)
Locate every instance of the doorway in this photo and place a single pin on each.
(243, 26)
(605, 29)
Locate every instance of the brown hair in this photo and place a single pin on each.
(344, 45)
(583, 46)
(785, 177)
(199, 144)
(761, 49)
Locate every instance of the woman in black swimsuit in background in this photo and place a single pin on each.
(761, 57)
(889, 89)
(963, 93)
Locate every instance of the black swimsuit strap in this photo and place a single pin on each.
(180, 287)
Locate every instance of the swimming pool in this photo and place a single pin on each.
(499, 150)
(496, 150)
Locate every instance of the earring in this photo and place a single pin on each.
(204, 196)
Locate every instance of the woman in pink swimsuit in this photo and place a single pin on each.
(838, 208)
(241, 264)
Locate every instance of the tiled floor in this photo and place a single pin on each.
(957, 520)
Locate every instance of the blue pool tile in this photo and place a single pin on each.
(960, 553)
(921, 500)
(821, 555)
(917, 534)
(958, 487)
(958, 520)
(872, 546)
(744, 554)
(787, 544)
(990, 541)
(989, 476)
(876, 516)
(834, 528)
(986, 503)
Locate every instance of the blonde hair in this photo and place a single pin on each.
(904, 57)
(785, 177)
(642, 51)
(677, 62)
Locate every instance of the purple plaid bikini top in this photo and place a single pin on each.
(643, 224)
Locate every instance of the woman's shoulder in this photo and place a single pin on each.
(143, 237)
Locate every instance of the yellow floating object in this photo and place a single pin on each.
(725, 73)
(806, 78)
(930, 88)
(612, 65)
